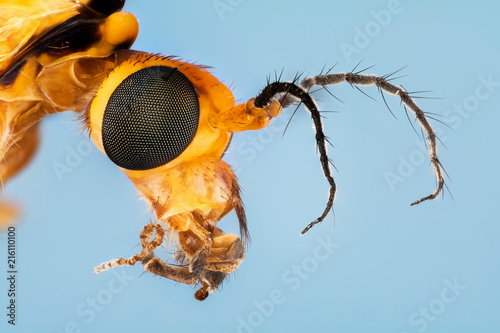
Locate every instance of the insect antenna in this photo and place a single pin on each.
(300, 93)
(293, 91)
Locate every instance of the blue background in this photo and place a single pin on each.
(391, 266)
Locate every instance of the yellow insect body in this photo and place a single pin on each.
(165, 123)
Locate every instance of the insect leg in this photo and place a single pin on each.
(199, 259)
(210, 281)
(178, 274)
(195, 241)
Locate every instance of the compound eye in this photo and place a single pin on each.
(150, 118)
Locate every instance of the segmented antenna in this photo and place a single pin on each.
(289, 92)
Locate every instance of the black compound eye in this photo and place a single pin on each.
(150, 118)
(106, 7)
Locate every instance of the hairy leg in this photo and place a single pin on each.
(209, 280)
